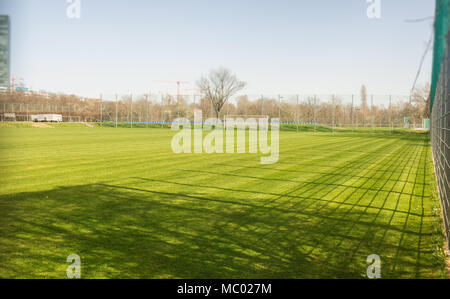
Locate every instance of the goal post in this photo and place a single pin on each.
(245, 117)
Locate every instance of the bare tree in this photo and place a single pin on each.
(364, 103)
(421, 99)
(219, 86)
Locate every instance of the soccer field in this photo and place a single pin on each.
(131, 208)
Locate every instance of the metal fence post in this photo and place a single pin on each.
(333, 112)
(296, 113)
(371, 111)
(212, 109)
(131, 110)
(178, 106)
(162, 110)
(390, 114)
(193, 108)
(352, 112)
(315, 119)
(148, 110)
(279, 107)
(262, 105)
(101, 110)
(117, 103)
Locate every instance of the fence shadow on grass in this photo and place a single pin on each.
(139, 232)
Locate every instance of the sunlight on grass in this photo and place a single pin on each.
(130, 208)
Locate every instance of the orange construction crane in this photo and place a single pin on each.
(179, 83)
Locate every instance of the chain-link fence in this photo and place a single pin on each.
(440, 136)
(295, 110)
(440, 107)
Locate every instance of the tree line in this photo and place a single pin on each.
(219, 99)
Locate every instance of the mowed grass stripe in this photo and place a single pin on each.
(363, 214)
(110, 165)
(133, 210)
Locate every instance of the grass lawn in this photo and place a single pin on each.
(130, 208)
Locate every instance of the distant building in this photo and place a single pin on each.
(5, 40)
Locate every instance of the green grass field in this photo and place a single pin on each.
(130, 208)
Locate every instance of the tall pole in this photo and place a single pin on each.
(333, 112)
(212, 110)
(262, 105)
(371, 111)
(101, 110)
(246, 106)
(146, 98)
(410, 110)
(352, 111)
(315, 121)
(364, 110)
(117, 103)
(162, 110)
(70, 118)
(279, 107)
(178, 100)
(228, 109)
(178, 103)
(193, 110)
(390, 112)
(131, 110)
(140, 115)
(296, 113)
(343, 122)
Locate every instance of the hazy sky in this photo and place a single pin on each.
(281, 46)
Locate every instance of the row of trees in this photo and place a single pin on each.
(218, 89)
(329, 110)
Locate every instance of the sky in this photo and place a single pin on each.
(282, 46)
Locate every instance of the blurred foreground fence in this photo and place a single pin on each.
(329, 110)
(440, 115)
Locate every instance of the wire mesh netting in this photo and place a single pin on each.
(147, 109)
(440, 137)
